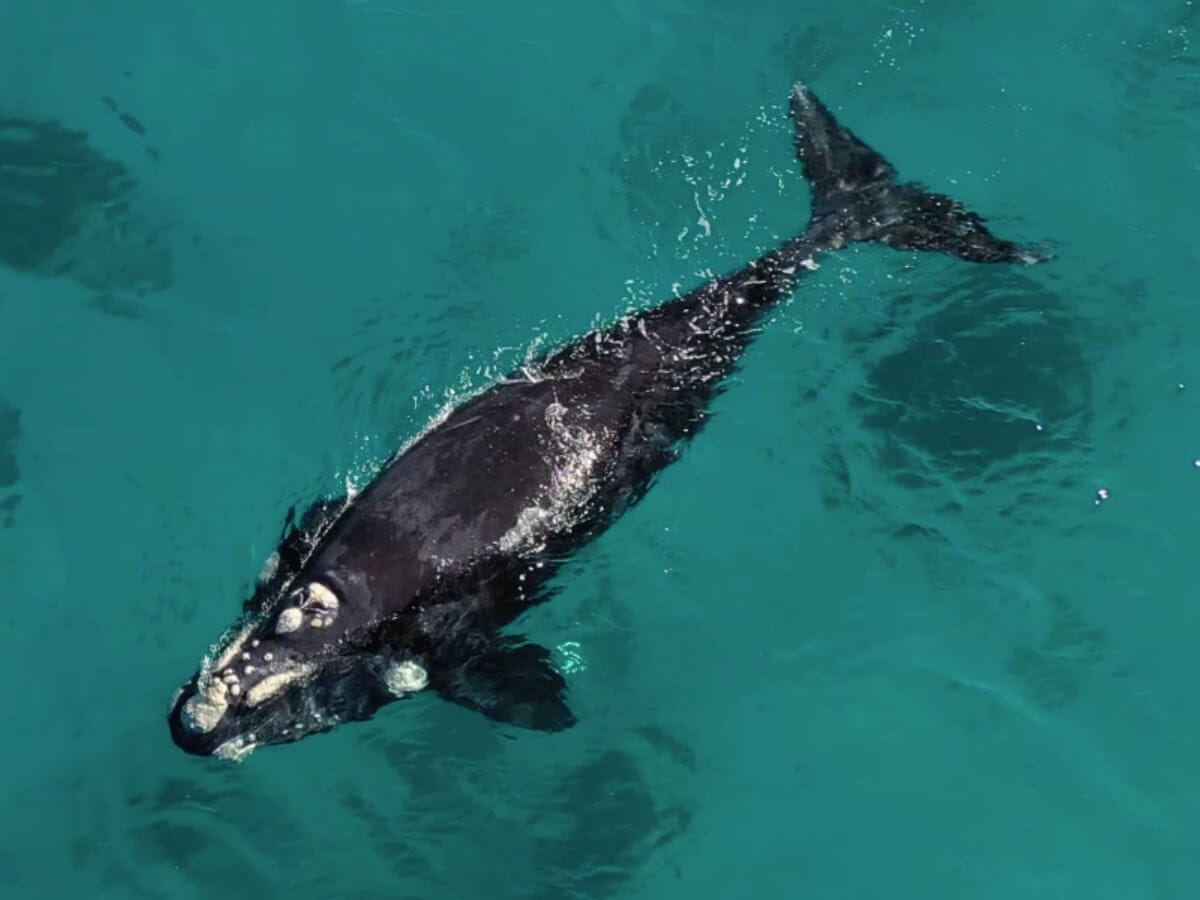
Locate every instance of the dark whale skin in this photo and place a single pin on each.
(408, 585)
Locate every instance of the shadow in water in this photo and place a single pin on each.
(983, 387)
(416, 815)
(613, 823)
(67, 211)
(10, 474)
(972, 427)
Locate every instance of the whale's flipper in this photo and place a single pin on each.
(856, 196)
(513, 681)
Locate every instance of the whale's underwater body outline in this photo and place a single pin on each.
(407, 585)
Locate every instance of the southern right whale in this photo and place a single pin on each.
(378, 595)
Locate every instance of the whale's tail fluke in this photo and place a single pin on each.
(856, 196)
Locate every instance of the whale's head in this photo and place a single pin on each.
(298, 670)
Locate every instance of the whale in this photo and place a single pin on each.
(410, 587)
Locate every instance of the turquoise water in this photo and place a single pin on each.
(915, 617)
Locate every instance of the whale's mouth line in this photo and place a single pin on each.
(219, 694)
(221, 718)
(219, 685)
(266, 693)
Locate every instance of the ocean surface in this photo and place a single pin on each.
(915, 616)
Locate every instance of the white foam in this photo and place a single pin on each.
(270, 567)
(235, 750)
(576, 453)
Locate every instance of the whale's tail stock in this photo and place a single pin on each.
(856, 197)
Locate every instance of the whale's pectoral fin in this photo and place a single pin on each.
(513, 681)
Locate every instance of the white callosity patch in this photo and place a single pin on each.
(273, 684)
(321, 597)
(232, 649)
(577, 453)
(322, 615)
(316, 601)
(289, 620)
(406, 677)
(204, 710)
